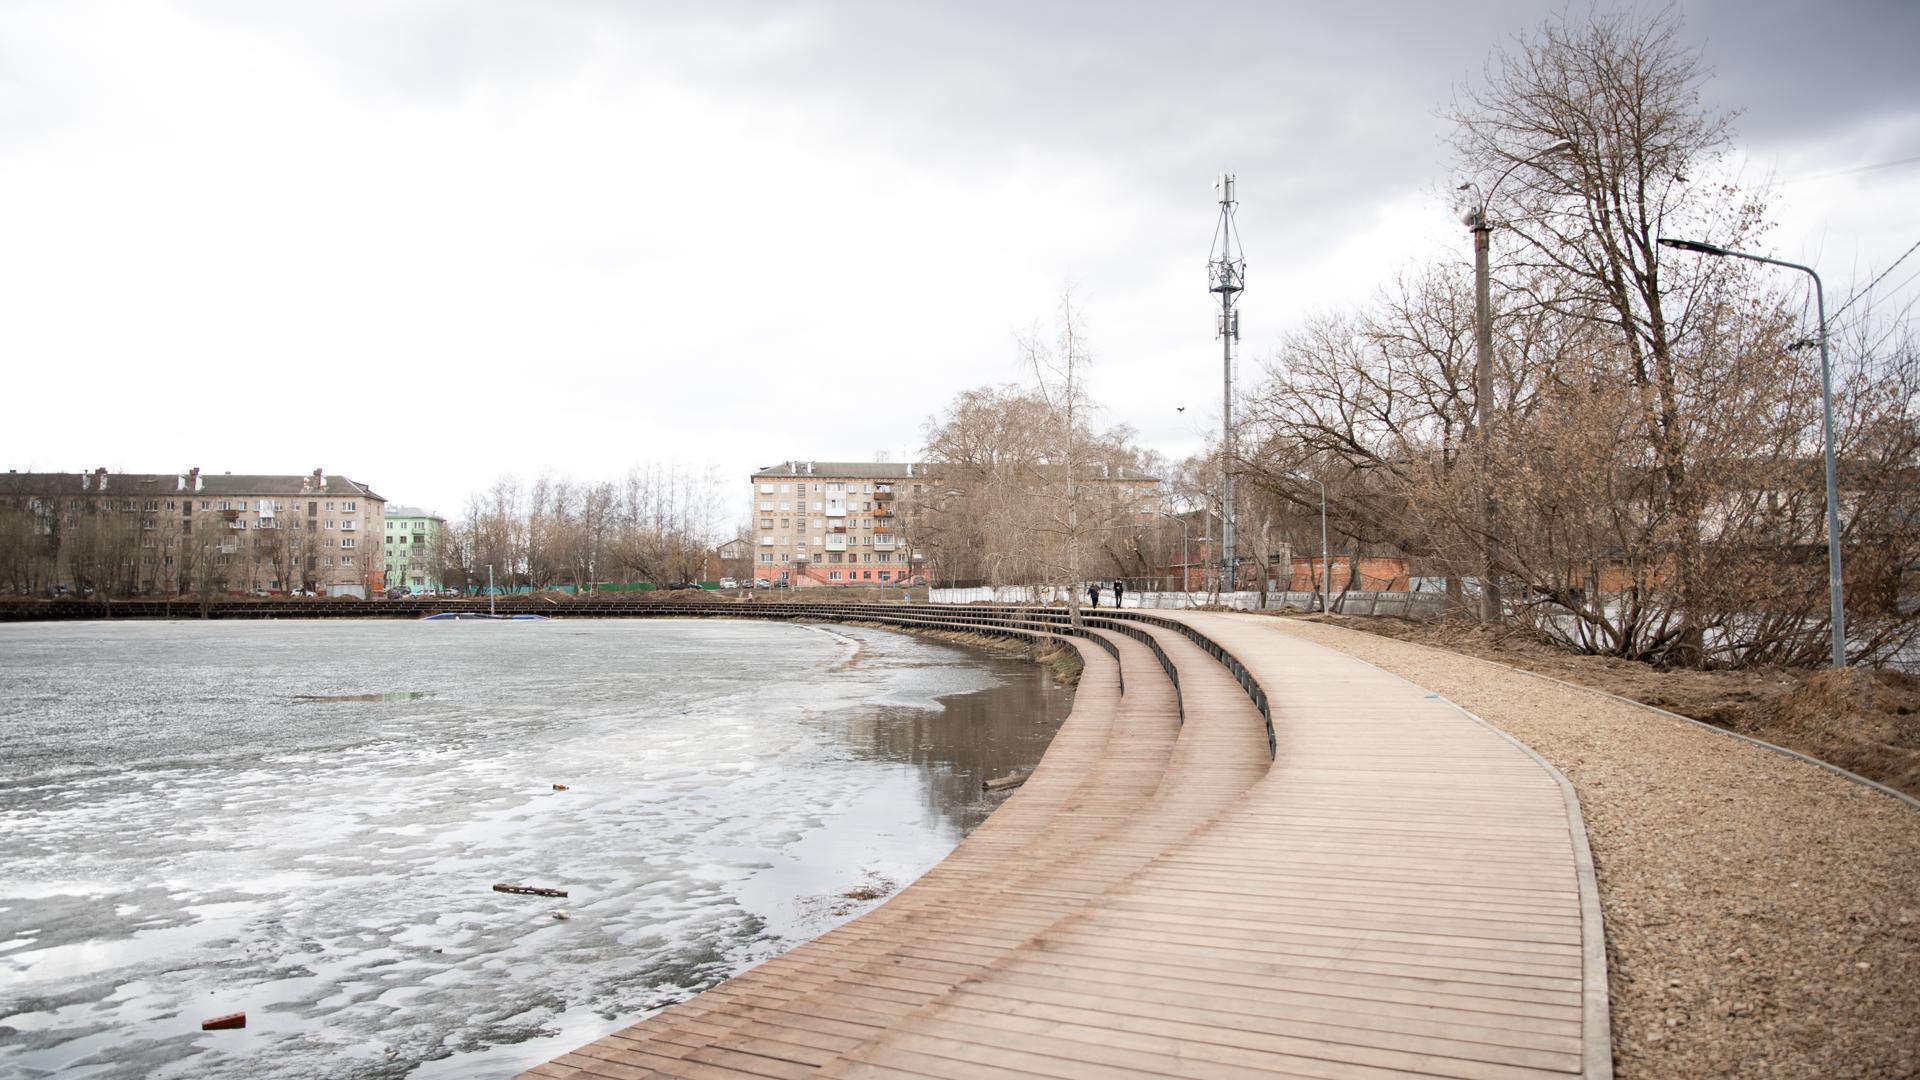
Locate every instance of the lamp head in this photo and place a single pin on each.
(1692, 245)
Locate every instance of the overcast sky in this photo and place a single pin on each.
(423, 244)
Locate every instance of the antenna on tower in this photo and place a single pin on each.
(1226, 278)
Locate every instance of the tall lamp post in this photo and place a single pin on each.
(1186, 559)
(1326, 552)
(1836, 599)
(1482, 229)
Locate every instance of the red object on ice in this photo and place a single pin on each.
(222, 1023)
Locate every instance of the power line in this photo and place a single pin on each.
(1877, 280)
(1850, 172)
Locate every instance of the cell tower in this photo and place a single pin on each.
(1226, 277)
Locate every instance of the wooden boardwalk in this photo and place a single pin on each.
(1398, 890)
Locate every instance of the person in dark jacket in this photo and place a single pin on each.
(1093, 594)
(1119, 592)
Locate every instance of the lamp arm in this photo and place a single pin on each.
(1487, 199)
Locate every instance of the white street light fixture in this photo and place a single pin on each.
(1836, 600)
(1482, 229)
(1186, 559)
(1326, 552)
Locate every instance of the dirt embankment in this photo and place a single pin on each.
(1866, 722)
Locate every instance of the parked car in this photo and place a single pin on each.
(396, 593)
(729, 583)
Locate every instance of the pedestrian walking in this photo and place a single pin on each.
(1093, 594)
(1119, 590)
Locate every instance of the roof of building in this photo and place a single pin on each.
(209, 484)
(878, 470)
(861, 469)
(412, 512)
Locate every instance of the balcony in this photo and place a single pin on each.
(883, 542)
(837, 541)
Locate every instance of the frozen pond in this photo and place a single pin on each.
(304, 821)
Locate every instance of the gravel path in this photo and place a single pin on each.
(1761, 912)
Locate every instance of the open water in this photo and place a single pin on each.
(305, 820)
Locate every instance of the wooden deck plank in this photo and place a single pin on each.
(1394, 894)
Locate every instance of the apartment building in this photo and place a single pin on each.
(166, 533)
(834, 522)
(878, 523)
(411, 553)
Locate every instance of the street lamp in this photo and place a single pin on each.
(1482, 229)
(1835, 595)
(1326, 555)
(1186, 559)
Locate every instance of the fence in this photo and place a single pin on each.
(1414, 605)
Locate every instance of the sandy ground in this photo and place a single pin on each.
(1760, 911)
(1864, 721)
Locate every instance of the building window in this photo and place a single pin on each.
(329, 524)
(351, 507)
(348, 524)
(347, 542)
(347, 560)
(833, 575)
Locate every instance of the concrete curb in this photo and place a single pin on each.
(1596, 1001)
(1596, 1015)
(1883, 789)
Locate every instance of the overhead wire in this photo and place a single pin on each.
(1882, 276)
(1850, 172)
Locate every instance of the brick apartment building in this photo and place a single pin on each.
(167, 533)
(833, 522)
(410, 556)
(852, 523)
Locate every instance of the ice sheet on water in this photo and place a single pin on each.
(189, 840)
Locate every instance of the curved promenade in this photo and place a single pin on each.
(1372, 884)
